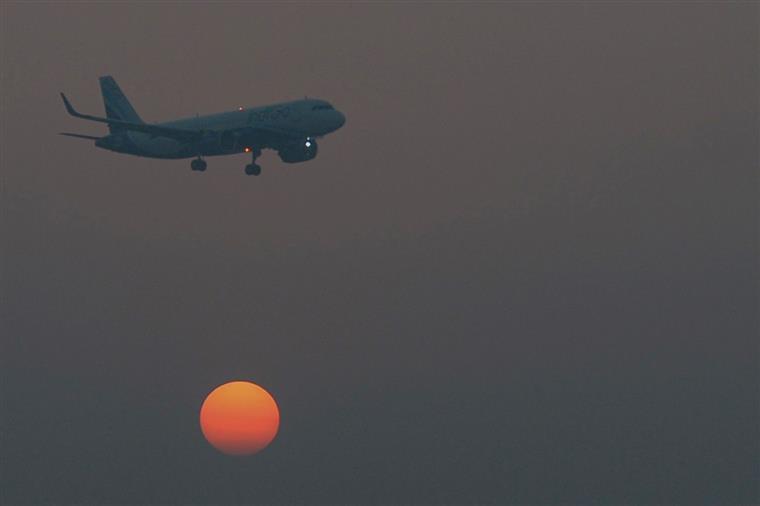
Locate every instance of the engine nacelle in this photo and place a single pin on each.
(299, 151)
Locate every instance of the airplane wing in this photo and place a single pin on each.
(156, 130)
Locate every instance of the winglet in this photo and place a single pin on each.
(69, 108)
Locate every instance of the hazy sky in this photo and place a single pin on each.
(525, 271)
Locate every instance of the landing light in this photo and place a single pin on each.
(240, 108)
(247, 150)
(308, 144)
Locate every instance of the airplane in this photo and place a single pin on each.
(290, 128)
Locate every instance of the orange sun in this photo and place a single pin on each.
(239, 418)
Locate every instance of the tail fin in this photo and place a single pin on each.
(117, 105)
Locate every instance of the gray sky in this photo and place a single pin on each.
(525, 271)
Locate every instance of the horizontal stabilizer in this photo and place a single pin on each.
(81, 136)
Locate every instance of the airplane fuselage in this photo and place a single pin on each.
(237, 131)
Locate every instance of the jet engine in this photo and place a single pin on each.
(298, 151)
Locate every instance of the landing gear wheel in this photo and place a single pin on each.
(198, 164)
(252, 169)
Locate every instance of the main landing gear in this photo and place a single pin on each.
(198, 164)
(252, 169)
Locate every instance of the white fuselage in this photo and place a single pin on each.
(233, 131)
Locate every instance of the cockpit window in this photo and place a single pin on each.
(322, 107)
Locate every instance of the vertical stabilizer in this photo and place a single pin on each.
(117, 105)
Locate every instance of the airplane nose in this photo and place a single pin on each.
(341, 119)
